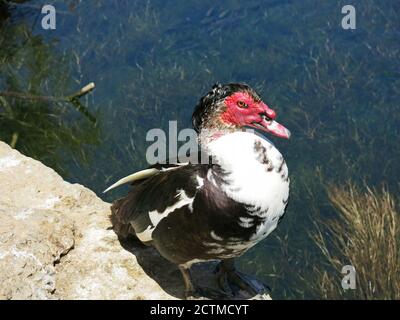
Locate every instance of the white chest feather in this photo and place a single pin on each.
(257, 176)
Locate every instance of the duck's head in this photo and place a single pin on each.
(234, 106)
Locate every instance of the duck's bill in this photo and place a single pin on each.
(273, 127)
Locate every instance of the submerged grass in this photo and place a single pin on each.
(366, 235)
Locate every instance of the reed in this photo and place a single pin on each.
(366, 235)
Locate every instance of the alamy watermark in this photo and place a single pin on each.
(349, 280)
(349, 20)
(182, 146)
(49, 20)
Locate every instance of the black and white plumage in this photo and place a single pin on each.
(217, 211)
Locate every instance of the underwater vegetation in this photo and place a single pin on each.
(338, 91)
(35, 117)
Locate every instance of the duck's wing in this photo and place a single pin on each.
(156, 193)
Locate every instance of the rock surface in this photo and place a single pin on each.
(56, 242)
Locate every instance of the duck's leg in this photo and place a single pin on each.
(194, 292)
(229, 278)
(190, 290)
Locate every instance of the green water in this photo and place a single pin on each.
(337, 90)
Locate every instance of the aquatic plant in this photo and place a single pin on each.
(366, 235)
(37, 116)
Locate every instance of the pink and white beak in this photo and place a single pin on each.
(268, 123)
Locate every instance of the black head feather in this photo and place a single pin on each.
(210, 102)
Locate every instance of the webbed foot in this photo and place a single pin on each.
(232, 281)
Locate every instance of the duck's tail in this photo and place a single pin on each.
(122, 229)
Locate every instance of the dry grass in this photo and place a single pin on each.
(366, 235)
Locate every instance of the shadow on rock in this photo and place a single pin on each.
(165, 273)
(169, 278)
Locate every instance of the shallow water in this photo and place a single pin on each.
(336, 90)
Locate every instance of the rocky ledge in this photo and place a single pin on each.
(56, 242)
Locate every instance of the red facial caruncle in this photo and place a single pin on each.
(242, 109)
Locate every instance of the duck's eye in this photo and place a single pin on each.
(241, 104)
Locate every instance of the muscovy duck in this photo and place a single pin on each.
(194, 212)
